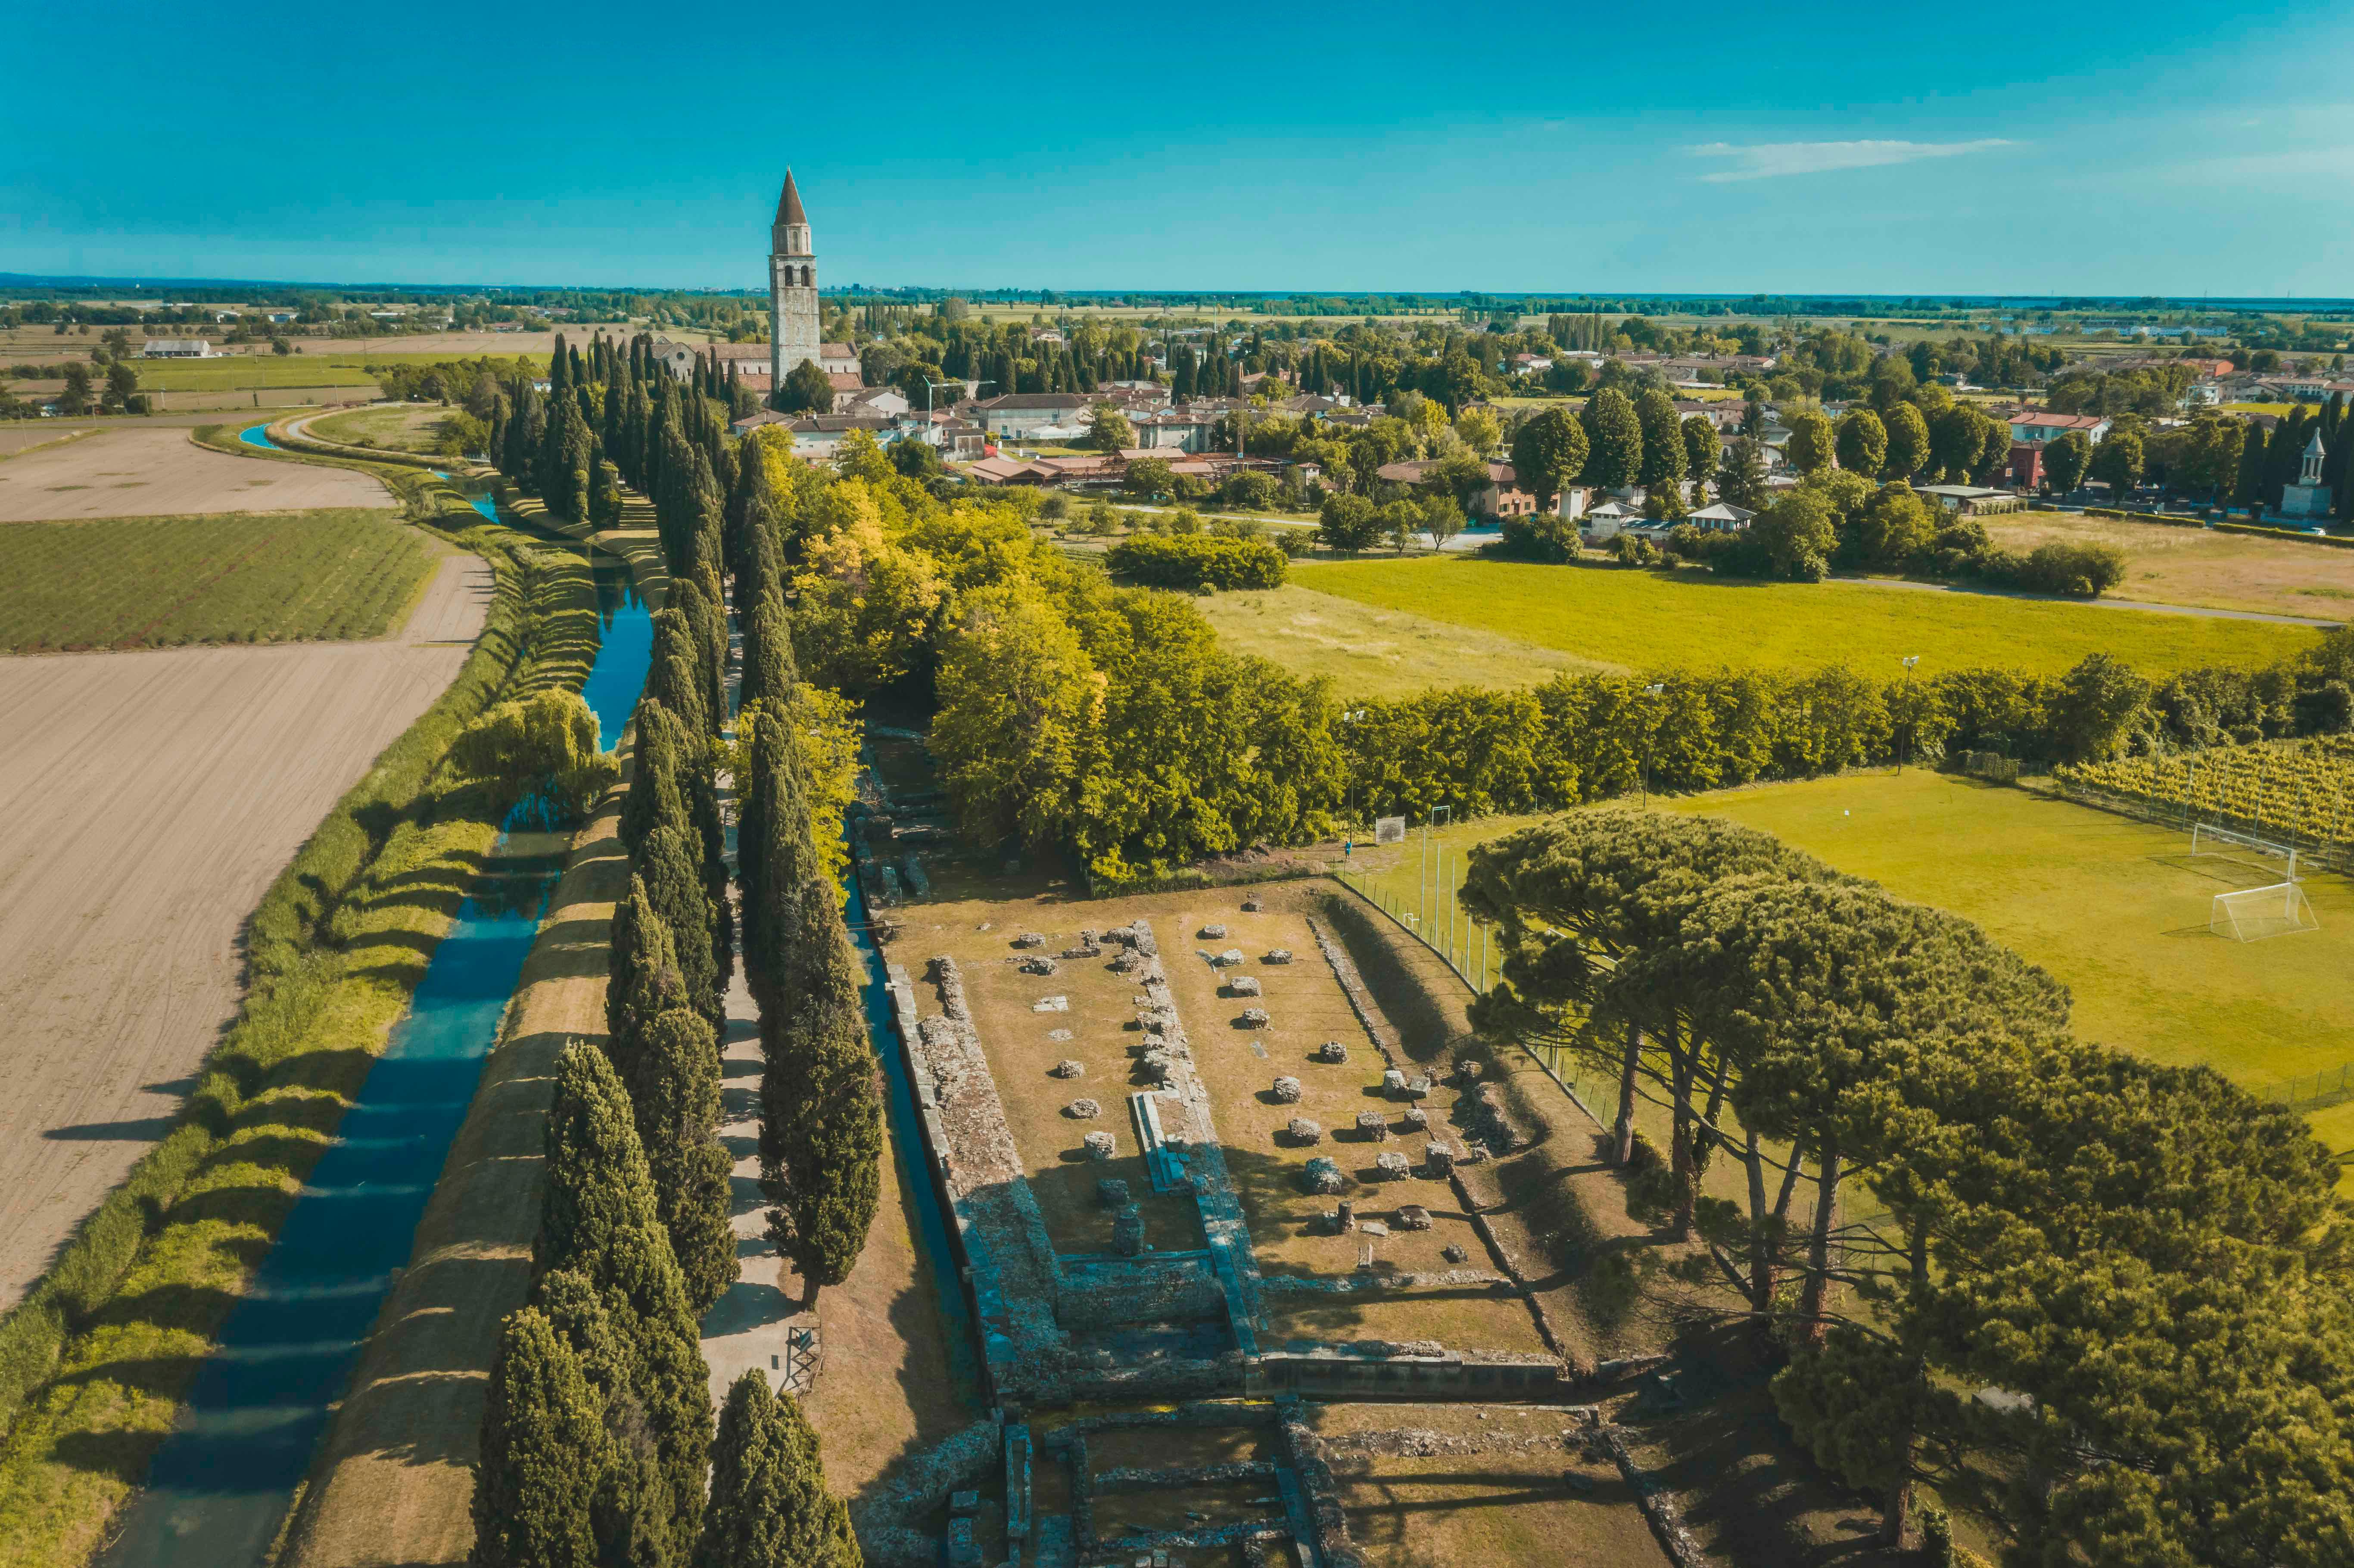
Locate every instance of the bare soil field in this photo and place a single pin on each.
(2199, 567)
(150, 798)
(17, 437)
(156, 472)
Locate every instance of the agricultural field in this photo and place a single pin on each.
(245, 372)
(1689, 619)
(2200, 566)
(399, 426)
(145, 470)
(152, 797)
(161, 582)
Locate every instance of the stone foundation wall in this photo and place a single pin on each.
(1158, 1287)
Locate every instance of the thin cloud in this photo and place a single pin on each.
(1766, 160)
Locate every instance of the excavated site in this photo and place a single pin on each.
(1224, 1237)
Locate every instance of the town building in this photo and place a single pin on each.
(2042, 425)
(1036, 415)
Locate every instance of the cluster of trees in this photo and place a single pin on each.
(1198, 560)
(2155, 1260)
(597, 1442)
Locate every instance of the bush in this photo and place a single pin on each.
(2085, 570)
(1348, 522)
(1199, 560)
(1541, 536)
(1631, 551)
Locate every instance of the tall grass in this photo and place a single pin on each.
(94, 1361)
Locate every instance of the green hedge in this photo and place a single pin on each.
(1198, 560)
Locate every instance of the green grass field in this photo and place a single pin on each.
(1689, 619)
(2116, 909)
(241, 577)
(397, 428)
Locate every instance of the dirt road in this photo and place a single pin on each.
(154, 471)
(150, 798)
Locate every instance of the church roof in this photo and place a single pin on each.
(788, 204)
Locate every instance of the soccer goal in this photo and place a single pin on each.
(2266, 854)
(2255, 913)
(2252, 914)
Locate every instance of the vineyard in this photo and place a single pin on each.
(2297, 790)
(158, 582)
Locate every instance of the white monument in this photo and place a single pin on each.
(2308, 497)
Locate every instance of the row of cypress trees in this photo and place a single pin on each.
(597, 1438)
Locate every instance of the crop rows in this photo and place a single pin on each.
(156, 582)
(2298, 788)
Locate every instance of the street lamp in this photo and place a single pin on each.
(1652, 690)
(1910, 660)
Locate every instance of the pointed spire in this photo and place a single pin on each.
(788, 204)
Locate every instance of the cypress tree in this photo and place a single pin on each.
(2250, 486)
(699, 603)
(543, 1446)
(759, 568)
(673, 1083)
(645, 978)
(774, 856)
(632, 1514)
(770, 1507)
(820, 1109)
(674, 677)
(656, 794)
(769, 672)
(602, 1218)
(2284, 453)
(669, 870)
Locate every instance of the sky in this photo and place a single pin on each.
(2156, 147)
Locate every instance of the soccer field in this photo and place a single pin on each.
(2116, 909)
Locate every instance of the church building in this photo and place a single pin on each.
(792, 287)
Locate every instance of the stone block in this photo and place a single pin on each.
(1100, 1146)
(1083, 1110)
(1212, 932)
(1068, 1068)
(1412, 1217)
(1276, 956)
(1302, 1130)
(1415, 1120)
(1440, 1159)
(1344, 1218)
(1417, 1088)
(1393, 1165)
(1331, 1051)
(1111, 1193)
(1454, 1254)
(1058, 1034)
(1251, 905)
(1038, 966)
(1128, 1232)
(1230, 958)
(1031, 939)
(1243, 985)
(963, 1505)
(1051, 1004)
(1373, 1125)
(1159, 1065)
(1393, 1083)
(1287, 1090)
(1254, 1018)
(1322, 1175)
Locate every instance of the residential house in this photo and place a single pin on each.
(2042, 425)
(1040, 415)
(1721, 517)
(1504, 496)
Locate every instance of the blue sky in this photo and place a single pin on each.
(2146, 148)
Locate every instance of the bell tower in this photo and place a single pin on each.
(792, 287)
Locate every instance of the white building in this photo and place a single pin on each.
(179, 348)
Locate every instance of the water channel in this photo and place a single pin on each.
(259, 436)
(220, 1484)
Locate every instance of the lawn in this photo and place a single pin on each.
(2116, 909)
(241, 577)
(237, 372)
(399, 427)
(1371, 652)
(1688, 619)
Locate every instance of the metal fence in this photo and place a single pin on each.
(2328, 854)
(2327, 1088)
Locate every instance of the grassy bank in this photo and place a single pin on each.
(1689, 619)
(160, 582)
(93, 1363)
